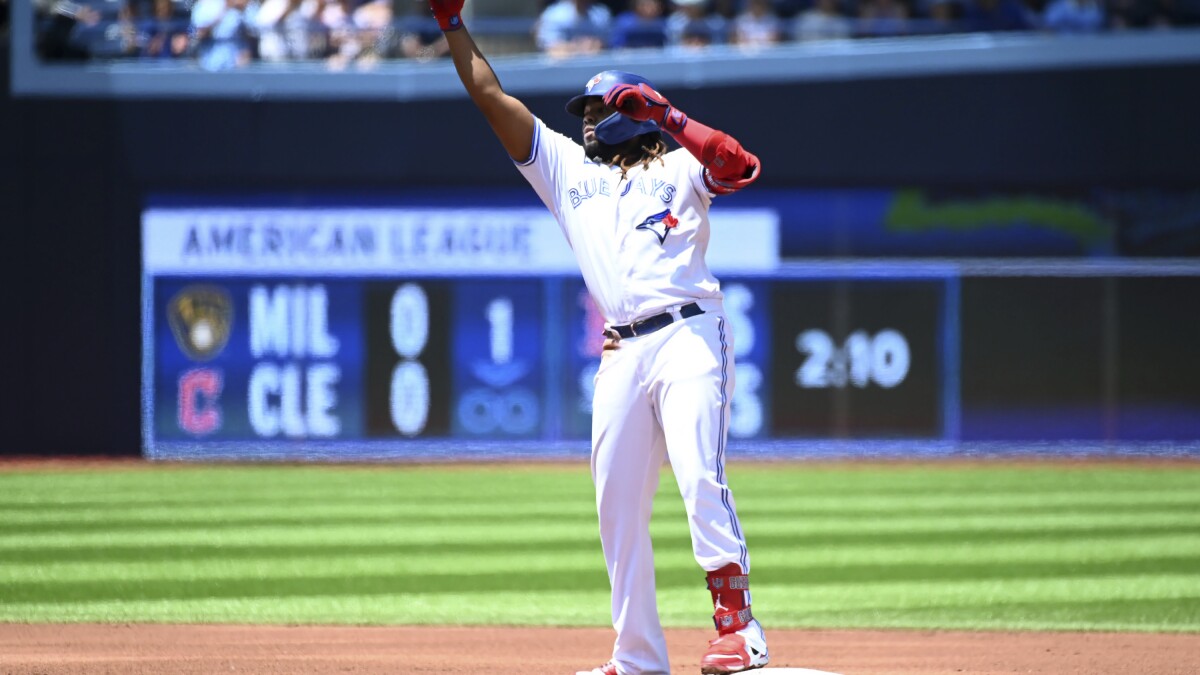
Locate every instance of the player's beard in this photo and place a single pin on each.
(591, 147)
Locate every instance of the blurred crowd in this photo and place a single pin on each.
(224, 34)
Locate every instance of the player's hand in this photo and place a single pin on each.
(447, 13)
(642, 103)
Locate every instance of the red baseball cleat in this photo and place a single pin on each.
(609, 668)
(736, 652)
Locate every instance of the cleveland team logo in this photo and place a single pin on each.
(660, 224)
(201, 318)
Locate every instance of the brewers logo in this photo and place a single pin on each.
(201, 318)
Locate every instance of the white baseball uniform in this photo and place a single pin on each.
(640, 242)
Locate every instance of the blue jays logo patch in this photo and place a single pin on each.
(594, 81)
(660, 224)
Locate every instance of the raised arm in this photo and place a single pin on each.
(728, 166)
(510, 119)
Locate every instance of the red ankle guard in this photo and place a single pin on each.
(729, 594)
(732, 622)
(724, 584)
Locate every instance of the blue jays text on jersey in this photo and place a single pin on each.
(590, 187)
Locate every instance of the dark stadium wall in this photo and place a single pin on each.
(79, 170)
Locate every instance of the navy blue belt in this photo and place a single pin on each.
(650, 324)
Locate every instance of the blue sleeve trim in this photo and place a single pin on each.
(533, 149)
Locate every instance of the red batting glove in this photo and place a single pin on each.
(447, 14)
(643, 103)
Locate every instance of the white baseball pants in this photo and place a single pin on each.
(666, 394)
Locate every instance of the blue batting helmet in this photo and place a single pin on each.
(616, 128)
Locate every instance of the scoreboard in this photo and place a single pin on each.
(293, 334)
(862, 358)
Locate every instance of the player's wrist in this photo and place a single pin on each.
(450, 22)
(673, 120)
(448, 14)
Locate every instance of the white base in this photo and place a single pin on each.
(794, 671)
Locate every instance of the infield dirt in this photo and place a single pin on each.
(143, 649)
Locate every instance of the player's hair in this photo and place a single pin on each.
(652, 147)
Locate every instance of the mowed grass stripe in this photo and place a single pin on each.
(1136, 614)
(786, 551)
(232, 511)
(576, 608)
(802, 524)
(348, 509)
(267, 582)
(1122, 545)
(790, 562)
(398, 497)
(1007, 502)
(443, 492)
(233, 515)
(429, 484)
(299, 484)
(354, 532)
(536, 508)
(278, 517)
(346, 562)
(789, 599)
(1049, 604)
(784, 604)
(971, 478)
(274, 585)
(291, 542)
(251, 547)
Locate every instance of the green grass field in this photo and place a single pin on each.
(1032, 546)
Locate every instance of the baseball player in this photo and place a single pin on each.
(636, 217)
